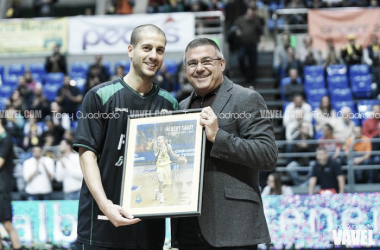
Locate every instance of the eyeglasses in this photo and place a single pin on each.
(206, 62)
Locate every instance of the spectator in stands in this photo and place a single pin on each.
(58, 117)
(315, 4)
(185, 88)
(215, 5)
(196, 6)
(47, 144)
(328, 172)
(119, 72)
(373, 3)
(24, 91)
(88, 12)
(249, 30)
(164, 79)
(173, 6)
(328, 141)
(56, 130)
(69, 134)
(44, 8)
(102, 70)
(371, 56)
(6, 177)
(94, 78)
(30, 82)
(361, 151)
(294, 87)
(56, 62)
(156, 6)
(69, 171)
(234, 9)
(374, 173)
(39, 101)
(69, 97)
(15, 10)
(292, 62)
(298, 102)
(329, 55)
(38, 172)
(14, 124)
(351, 52)
(280, 56)
(343, 126)
(275, 187)
(17, 102)
(293, 128)
(371, 124)
(294, 19)
(308, 54)
(324, 113)
(303, 146)
(32, 133)
(124, 7)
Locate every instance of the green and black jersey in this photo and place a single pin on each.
(102, 128)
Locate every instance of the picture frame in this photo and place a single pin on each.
(163, 166)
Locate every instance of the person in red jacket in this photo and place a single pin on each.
(370, 126)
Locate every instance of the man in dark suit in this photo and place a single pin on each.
(240, 143)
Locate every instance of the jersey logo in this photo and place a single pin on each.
(121, 109)
(119, 162)
(138, 199)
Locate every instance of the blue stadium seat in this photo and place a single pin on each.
(1, 71)
(314, 82)
(358, 70)
(10, 80)
(364, 107)
(125, 63)
(314, 104)
(54, 78)
(315, 95)
(79, 68)
(171, 66)
(38, 78)
(6, 91)
(17, 69)
(361, 86)
(37, 68)
(339, 69)
(341, 95)
(314, 70)
(3, 102)
(337, 82)
(338, 105)
(50, 90)
(80, 83)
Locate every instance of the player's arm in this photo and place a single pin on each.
(341, 183)
(170, 150)
(312, 183)
(115, 213)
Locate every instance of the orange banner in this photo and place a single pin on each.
(338, 24)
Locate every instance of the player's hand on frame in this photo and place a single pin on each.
(118, 216)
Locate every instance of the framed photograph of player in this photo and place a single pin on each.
(163, 166)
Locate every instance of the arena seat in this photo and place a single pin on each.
(79, 69)
(337, 82)
(314, 82)
(54, 78)
(338, 69)
(358, 70)
(17, 69)
(50, 90)
(10, 80)
(315, 95)
(361, 86)
(313, 70)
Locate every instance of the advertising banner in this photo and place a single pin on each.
(294, 221)
(338, 24)
(111, 34)
(22, 37)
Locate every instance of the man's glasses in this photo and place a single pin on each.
(206, 62)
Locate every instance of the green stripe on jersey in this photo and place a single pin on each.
(170, 98)
(107, 91)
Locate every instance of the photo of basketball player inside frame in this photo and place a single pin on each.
(162, 151)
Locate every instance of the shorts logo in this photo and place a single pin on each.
(119, 162)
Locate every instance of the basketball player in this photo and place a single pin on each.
(162, 149)
(102, 222)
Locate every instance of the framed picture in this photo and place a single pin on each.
(163, 167)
